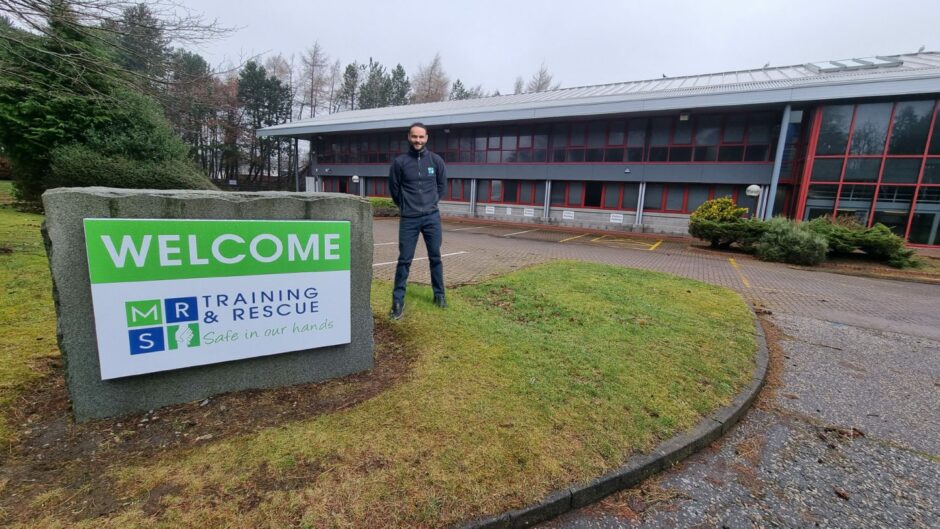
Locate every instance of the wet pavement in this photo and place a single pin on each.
(847, 434)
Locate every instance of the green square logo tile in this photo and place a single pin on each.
(143, 313)
(182, 336)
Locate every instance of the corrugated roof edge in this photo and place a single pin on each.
(390, 117)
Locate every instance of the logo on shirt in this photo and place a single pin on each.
(430, 171)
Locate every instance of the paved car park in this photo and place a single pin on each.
(846, 435)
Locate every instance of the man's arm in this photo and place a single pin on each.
(394, 183)
(441, 180)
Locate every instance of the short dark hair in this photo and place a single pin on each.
(417, 124)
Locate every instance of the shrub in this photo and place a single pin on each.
(882, 244)
(845, 235)
(718, 210)
(80, 166)
(786, 242)
(744, 233)
(383, 207)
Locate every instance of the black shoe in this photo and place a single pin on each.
(397, 310)
(440, 301)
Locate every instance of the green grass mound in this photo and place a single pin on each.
(527, 383)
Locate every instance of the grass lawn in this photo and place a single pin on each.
(528, 382)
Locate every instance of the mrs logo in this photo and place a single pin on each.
(155, 326)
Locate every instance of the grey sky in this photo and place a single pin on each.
(490, 42)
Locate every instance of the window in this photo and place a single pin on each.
(911, 123)
(834, 130)
(871, 128)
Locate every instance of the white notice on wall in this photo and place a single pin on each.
(509, 211)
(616, 218)
(567, 215)
(528, 212)
(490, 210)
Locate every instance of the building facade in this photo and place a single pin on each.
(856, 137)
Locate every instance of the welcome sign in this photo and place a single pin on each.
(170, 294)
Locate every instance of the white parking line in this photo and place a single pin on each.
(470, 228)
(384, 243)
(416, 259)
(520, 232)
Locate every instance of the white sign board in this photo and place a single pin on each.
(171, 294)
(528, 212)
(567, 215)
(616, 218)
(490, 210)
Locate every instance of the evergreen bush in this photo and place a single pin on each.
(383, 207)
(845, 236)
(786, 242)
(718, 221)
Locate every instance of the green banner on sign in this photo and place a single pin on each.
(123, 250)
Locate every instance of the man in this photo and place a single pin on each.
(417, 181)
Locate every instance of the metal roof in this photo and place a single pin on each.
(817, 81)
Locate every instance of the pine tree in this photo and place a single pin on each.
(400, 87)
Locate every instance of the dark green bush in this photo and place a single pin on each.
(786, 242)
(845, 236)
(383, 207)
(744, 233)
(81, 166)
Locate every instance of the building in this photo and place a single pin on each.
(856, 137)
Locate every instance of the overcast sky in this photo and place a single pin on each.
(582, 42)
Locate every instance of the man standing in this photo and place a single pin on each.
(417, 181)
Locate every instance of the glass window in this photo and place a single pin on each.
(683, 134)
(871, 128)
(611, 195)
(525, 192)
(658, 154)
(636, 133)
(616, 136)
(680, 154)
(935, 138)
(539, 155)
(634, 154)
(483, 190)
(675, 195)
(575, 193)
(453, 142)
(509, 139)
(540, 138)
(577, 134)
(653, 198)
(492, 156)
(631, 193)
(926, 222)
(575, 155)
(731, 153)
(723, 191)
(479, 141)
(756, 153)
(707, 130)
(698, 195)
(558, 193)
(707, 153)
(613, 155)
(559, 136)
(820, 200)
(496, 190)
(855, 201)
(540, 192)
(592, 194)
(758, 128)
(493, 139)
(661, 129)
(862, 169)
(931, 171)
(597, 132)
(911, 122)
(834, 130)
(466, 140)
(511, 192)
(901, 170)
(827, 170)
(734, 128)
(893, 207)
(525, 138)
(466, 189)
(594, 155)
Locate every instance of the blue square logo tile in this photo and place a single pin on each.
(179, 310)
(148, 340)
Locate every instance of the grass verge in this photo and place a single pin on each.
(527, 383)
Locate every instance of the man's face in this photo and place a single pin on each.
(417, 137)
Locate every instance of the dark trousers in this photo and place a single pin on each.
(408, 229)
